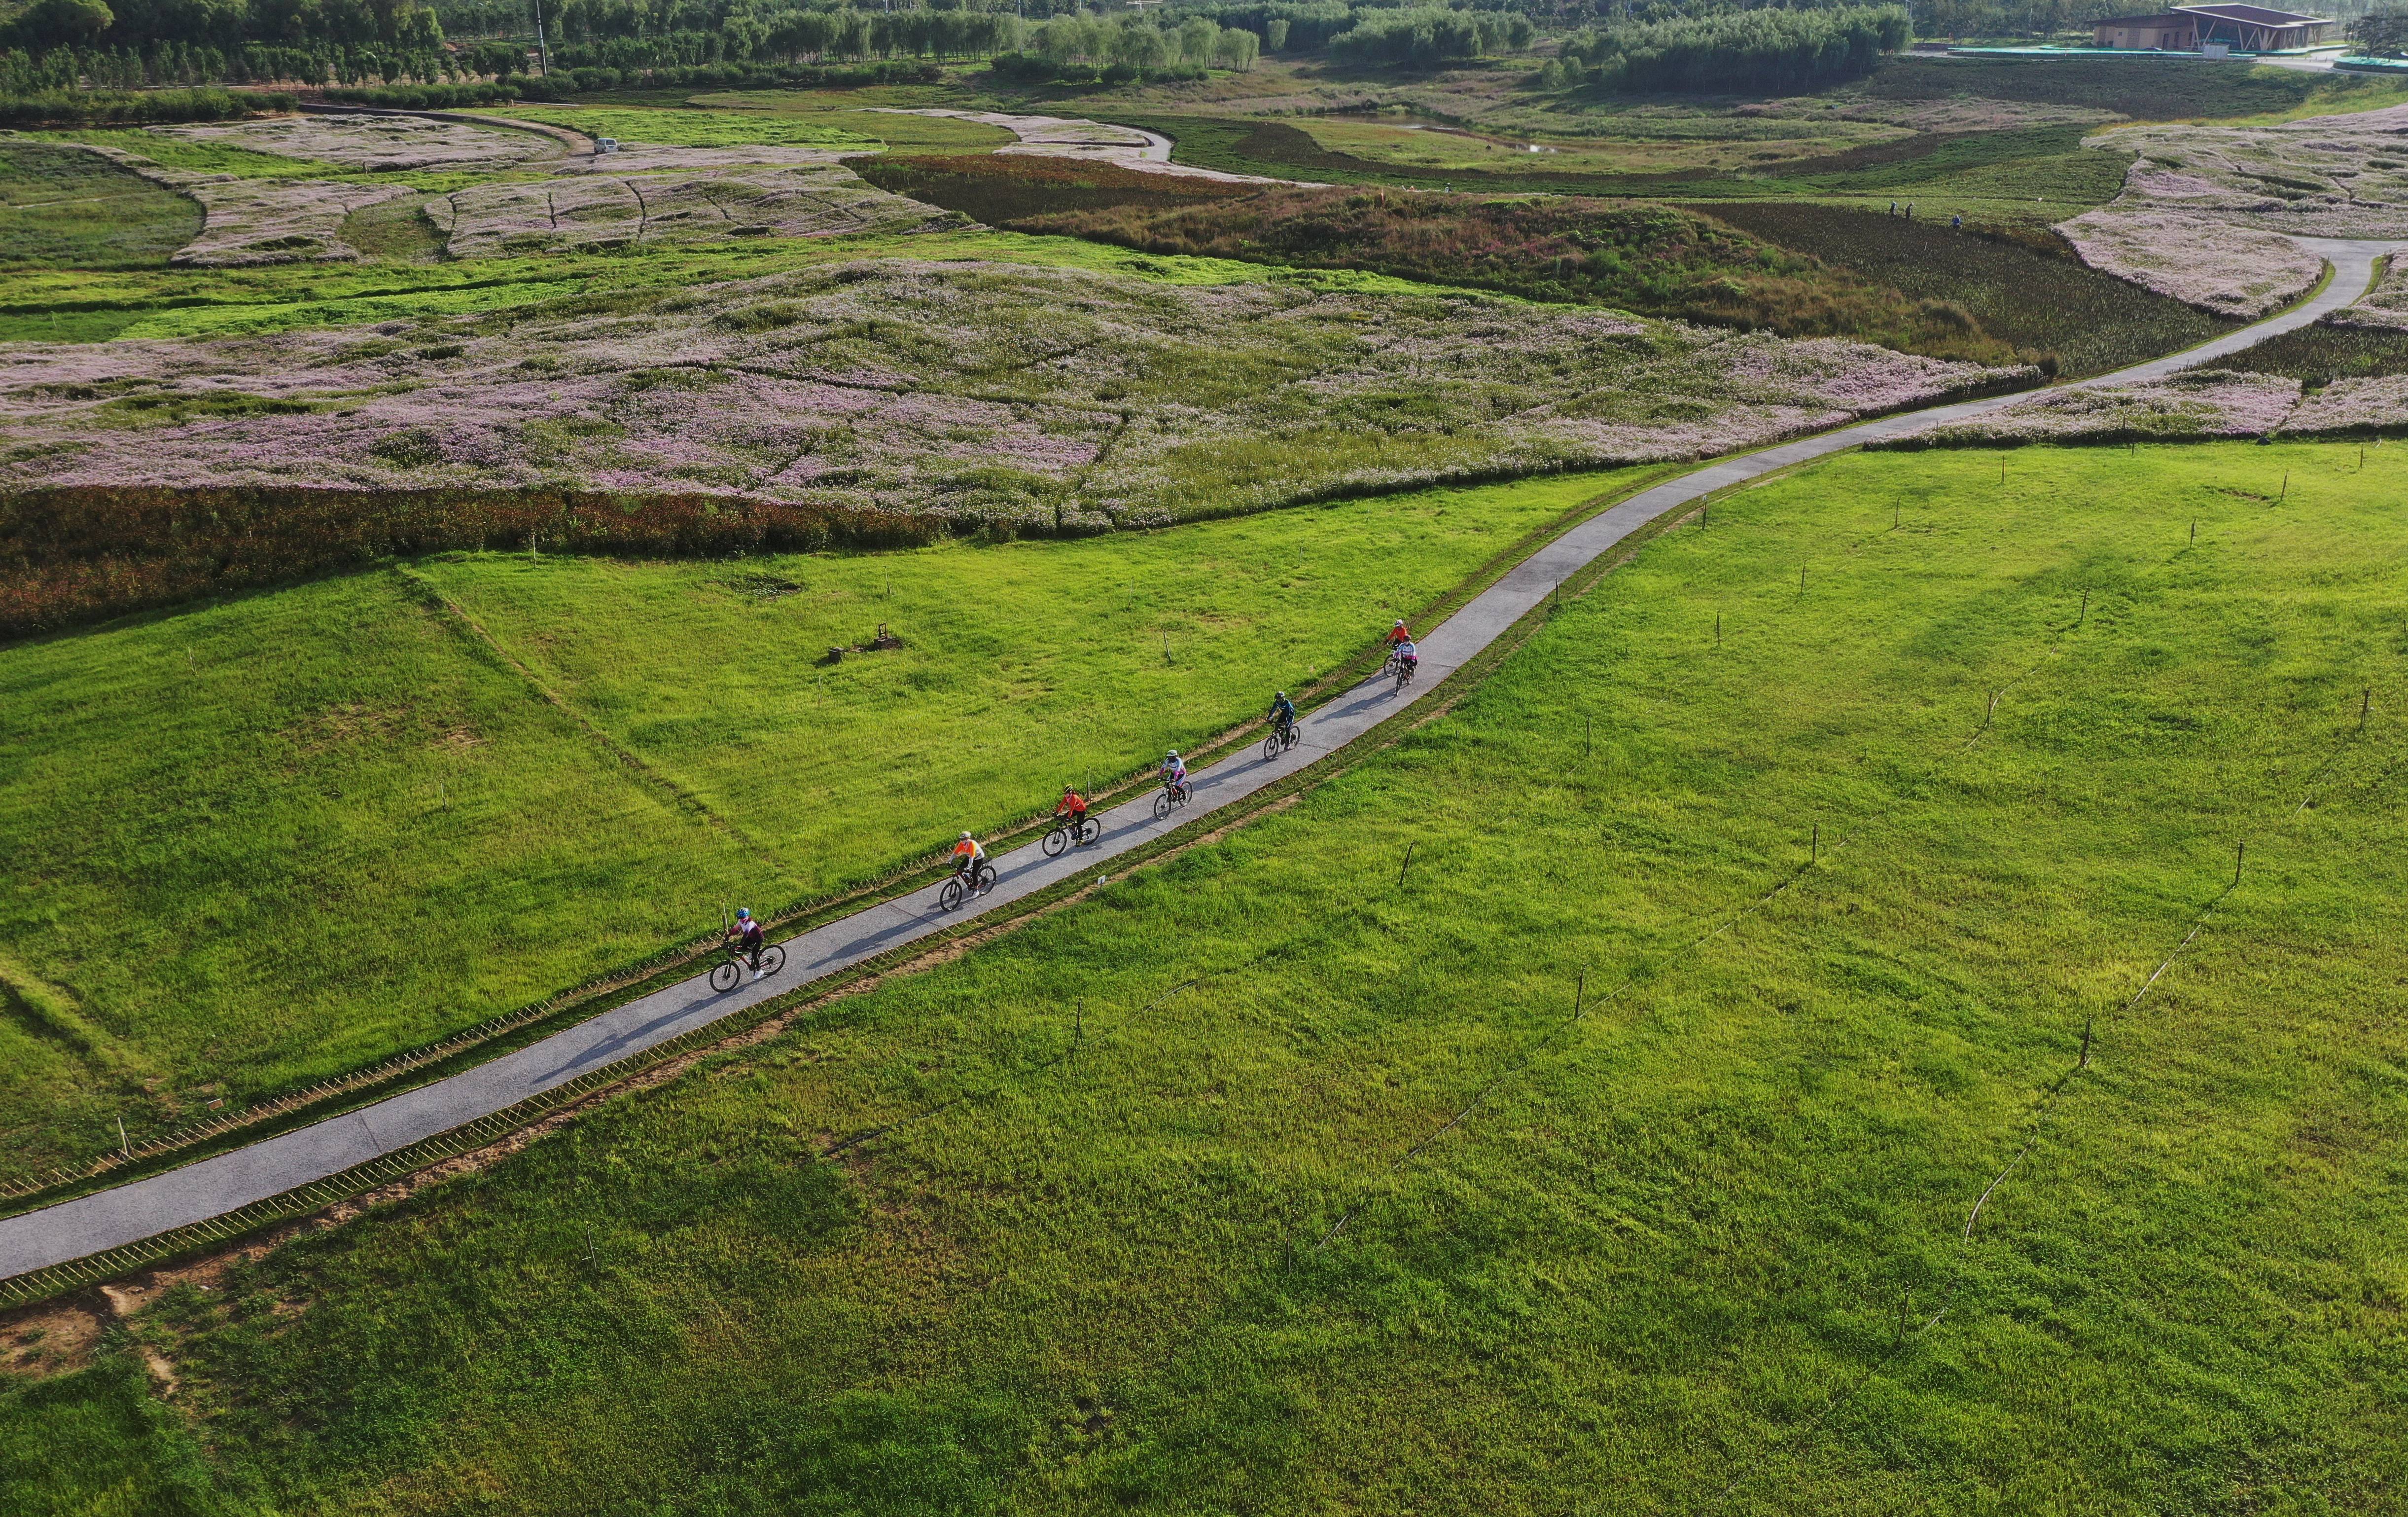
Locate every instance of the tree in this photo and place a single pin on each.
(65, 23)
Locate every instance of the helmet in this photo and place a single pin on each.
(1172, 754)
(966, 837)
(744, 912)
(1282, 695)
(1401, 621)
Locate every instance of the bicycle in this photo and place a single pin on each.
(727, 975)
(956, 891)
(1171, 797)
(1281, 738)
(1406, 669)
(1065, 835)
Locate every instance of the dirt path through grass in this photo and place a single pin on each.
(141, 1210)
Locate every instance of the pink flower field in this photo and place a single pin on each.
(2193, 404)
(379, 144)
(989, 391)
(814, 197)
(2214, 264)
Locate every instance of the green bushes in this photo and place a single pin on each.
(428, 97)
(1429, 36)
(136, 108)
(1739, 52)
(2027, 290)
(73, 555)
(1016, 189)
(2324, 353)
(1656, 259)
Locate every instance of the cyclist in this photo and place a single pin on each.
(1407, 656)
(968, 856)
(1174, 771)
(746, 935)
(1282, 714)
(1071, 810)
(1398, 635)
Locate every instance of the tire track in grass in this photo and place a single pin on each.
(2040, 1114)
(1655, 972)
(680, 795)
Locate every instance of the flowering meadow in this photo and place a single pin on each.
(379, 144)
(805, 198)
(2196, 405)
(2213, 265)
(2327, 176)
(2206, 211)
(988, 394)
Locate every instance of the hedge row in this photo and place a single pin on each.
(136, 108)
(75, 554)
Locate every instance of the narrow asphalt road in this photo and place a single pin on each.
(228, 1182)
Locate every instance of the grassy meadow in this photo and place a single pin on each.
(1624, 1155)
(269, 840)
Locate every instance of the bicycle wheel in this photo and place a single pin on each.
(724, 977)
(986, 878)
(1161, 805)
(1091, 830)
(773, 958)
(1056, 840)
(950, 898)
(1271, 747)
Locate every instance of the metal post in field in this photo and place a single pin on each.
(123, 1146)
(1405, 865)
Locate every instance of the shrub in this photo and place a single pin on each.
(427, 97)
(74, 554)
(2023, 287)
(1652, 258)
(1015, 189)
(136, 108)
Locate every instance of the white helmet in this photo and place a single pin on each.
(966, 837)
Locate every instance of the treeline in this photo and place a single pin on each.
(137, 42)
(1737, 52)
(168, 63)
(2380, 34)
(1429, 34)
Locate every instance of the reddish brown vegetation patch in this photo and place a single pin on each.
(74, 554)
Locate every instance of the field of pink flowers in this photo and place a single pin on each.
(585, 210)
(2353, 405)
(2198, 260)
(2329, 176)
(2195, 405)
(991, 393)
(379, 144)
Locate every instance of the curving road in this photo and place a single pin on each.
(228, 1182)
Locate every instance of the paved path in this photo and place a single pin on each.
(213, 1187)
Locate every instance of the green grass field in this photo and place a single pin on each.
(59, 208)
(1337, 1203)
(264, 841)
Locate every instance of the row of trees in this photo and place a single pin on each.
(25, 73)
(1136, 41)
(1745, 50)
(1429, 34)
(227, 26)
